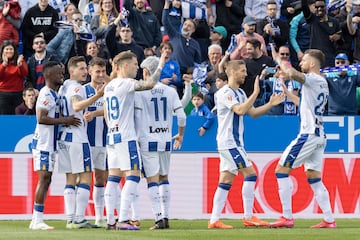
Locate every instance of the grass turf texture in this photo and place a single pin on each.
(348, 229)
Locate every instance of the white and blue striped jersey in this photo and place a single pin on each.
(314, 96)
(154, 110)
(68, 90)
(119, 97)
(45, 136)
(194, 9)
(230, 125)
(96, 129)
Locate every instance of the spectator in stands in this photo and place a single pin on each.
(91, 9)
(257, 9)
(221, 80)
(59, 6)
(254, 65)
(25, 5)
(214, 55)
(353, 20)
(27, 107)
(107, 13)
(342, 88)
(125, 43)
(299, 35)
(230, 14)
(175, 14)
(13, 70)
(35, 78)
(92, 50)
(218, 35)
(149, 52)
(186, 49)
(157, 7)
(272, 29)
(9, 21)
(67, 42)
(145, 25)
(200, 109)
(201, 12)
(249, 26)
(289, 9)
(70, 9)
(170, 74)
(324, 30)
(39, 19)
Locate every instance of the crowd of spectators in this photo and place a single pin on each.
(193, 33)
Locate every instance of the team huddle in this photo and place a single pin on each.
(120, 127)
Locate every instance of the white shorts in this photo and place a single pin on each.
(124, 155)
(307, 149)
(155, 162)
(233, 160)
(44, 160)
(74, 157)
(98, 156)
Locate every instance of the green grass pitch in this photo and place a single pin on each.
(348, 229)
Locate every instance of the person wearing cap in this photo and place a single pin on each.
(218, 36)
(273, 29)
(248, 33)
(353, 19)
(155, 145)
(125, 42)
(342, 88)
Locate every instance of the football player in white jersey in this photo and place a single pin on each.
(44, 145)
(157, 106)
(96, 130)
(308, 147)
(121, 142)
(232, 104)
(74, 149)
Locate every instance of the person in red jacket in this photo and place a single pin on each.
(13, 70)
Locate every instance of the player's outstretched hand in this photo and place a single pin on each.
(276, 99)
(88, 116)
(73, 121)
(178, 141)
(256, 86)
(100, 89)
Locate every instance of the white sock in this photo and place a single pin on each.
(69, 199)
(153, 189)
(285, 193)
(165, 194)
(128, 194)
(98, 197)
(38, 213)
(111, 194)
(135, 208)
(322, 198)
(219, 200)
(248, 194)
(82, 201)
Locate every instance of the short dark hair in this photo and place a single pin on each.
(198, 94)
(27, 89)
(223, 76)
(271, 2)
(233, 64)
(75, 60)
(97, 61)
(254, 42)
(163, 44)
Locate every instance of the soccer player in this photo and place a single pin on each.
(44, 145)
(74, 149)
(308, 147)
(122, 146)
(96, 131)
(157, 106)
(232, 105)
